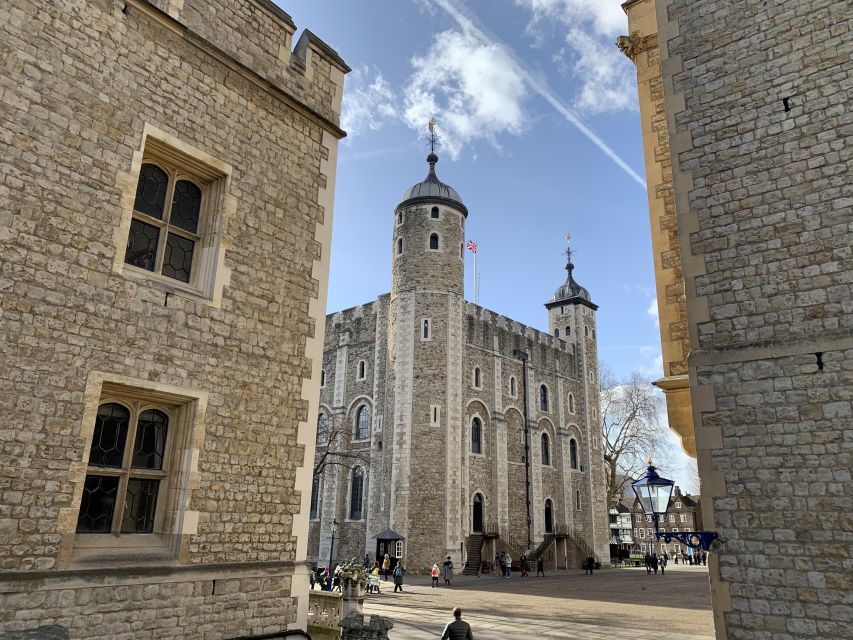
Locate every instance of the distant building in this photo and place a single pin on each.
(168, 173)
(621, 531)
(425, 393)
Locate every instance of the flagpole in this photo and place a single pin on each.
(476, 281)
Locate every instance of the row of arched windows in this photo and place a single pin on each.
(545, 446)
(434, 245)
(356, 495)
(361, 430)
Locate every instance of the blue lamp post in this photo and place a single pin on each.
(654, 493)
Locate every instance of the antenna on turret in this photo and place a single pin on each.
(433, 138)
(568, 249)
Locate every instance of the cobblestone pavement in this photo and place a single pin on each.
(614, 604)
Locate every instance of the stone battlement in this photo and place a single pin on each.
(501, 322)
(258, 35)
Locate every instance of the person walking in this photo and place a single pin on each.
(502, 564)
(386, 566)
(589, 565)
(704, 559)
(647, 559)
(457, 629)
(540, 567)
(508, 566)
(663, 560)
(525, 565)
(398, 577)
(655, 562)
(434, 573)
(448, 571)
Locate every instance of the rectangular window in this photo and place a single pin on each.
(398, 549)
(642, 533)
(683, 517)
(672, 517)
(315, 497)
(176, 218)
(426, 329)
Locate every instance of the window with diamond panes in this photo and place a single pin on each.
(125, 470)
(362, 423)
(164, 231)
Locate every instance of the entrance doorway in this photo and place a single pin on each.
(477, 516)
(549, 516)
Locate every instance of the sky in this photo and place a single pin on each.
(540, 135)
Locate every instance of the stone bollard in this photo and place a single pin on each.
(354, 627)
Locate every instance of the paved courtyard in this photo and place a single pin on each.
(617, 604)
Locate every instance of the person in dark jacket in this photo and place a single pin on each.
(540, 566)
(458, 629)
(398, 577)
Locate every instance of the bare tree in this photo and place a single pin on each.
(632, 430)
(691, 471)
(334, 447)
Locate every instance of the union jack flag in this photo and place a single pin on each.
(472, 246)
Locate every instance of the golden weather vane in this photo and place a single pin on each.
(433, 136)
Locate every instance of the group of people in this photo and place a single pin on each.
(654, 562)
(695, 559)
(524, 564)
(446, 570)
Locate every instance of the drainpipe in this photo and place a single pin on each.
(522, 355)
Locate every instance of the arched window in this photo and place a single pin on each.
(322, 378)
(433, 242)
(512, 389)
(578, 500)
(477, 380)
(549, 516)
(556, 333)
(356, 494)
(399, 246)
(568, 331)
(476, 436)
(434, 213)
(400, 218)
(543, 398)
(571, 403)
(322, 428)
(573, 453)
(362, 370)
(546, 450)
(426, 330)
(362, 423)
(315, 497)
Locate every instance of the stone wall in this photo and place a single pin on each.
(757, 101)
(87, 91)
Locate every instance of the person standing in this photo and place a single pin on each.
(386, 566)
(655, 562)
(457, 629)
(448, 571)
(434, 573)
(508, 566)
(589, 565)
(540, 567)
(704, 559)
(502, 564)
(398, 577)
(525, 565)
(647, 559)
(366, 562)
(663, 560)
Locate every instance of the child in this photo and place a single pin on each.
(434, 573)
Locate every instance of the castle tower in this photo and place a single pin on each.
(425, 327)
(571, 317)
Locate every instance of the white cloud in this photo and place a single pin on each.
(472, 86)
(605, 16)
(368, 102)
(651, 364)
(606, 77)
(652, 311)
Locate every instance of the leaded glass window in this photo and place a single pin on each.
(543, 398)
(433, 242)
(356, 494)
(315, 496)
(164, 231)
(125, 470)
(476, 436)
(362, 423)
(573, 453)
(546, 450)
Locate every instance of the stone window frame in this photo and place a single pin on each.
(433, 211)
(544, 407)
(401, 247)
(553, 514)
(398, 549)
(435, 415)
(400, 218)
(477, 378)
(183, 161)
(430, 236)
(316, 498)
(361, 371)
(574, 462)
(678, 505)
(578, 502)
(174, 522)
(426, 329)
(350, 488)
(356, 415)
(480, 443)
(545, 449)
(568, 330)
(513, 387)
(572, 403)
(557, 332)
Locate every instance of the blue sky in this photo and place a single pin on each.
(537, 110)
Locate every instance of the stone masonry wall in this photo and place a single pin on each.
(79, 85)
(757, 100)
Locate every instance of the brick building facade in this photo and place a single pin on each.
(683, 515)
(747, 130)
(425, 393)
(162, 301)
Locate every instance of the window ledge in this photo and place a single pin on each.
(167, 285)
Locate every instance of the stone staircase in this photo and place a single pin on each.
(543, 547)
(475, 549)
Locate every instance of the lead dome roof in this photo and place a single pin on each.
(432, 190)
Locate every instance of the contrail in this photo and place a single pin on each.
(539, 86)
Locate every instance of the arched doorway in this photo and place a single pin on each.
(549, 516)
(477, 515)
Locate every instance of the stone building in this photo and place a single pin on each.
(747, 130)
(423, 404)
(167, 182)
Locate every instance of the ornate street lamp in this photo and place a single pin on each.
(654, 493)
(334, 529)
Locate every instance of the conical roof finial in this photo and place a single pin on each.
(433, 142)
